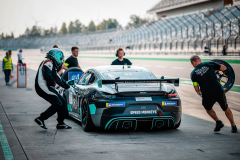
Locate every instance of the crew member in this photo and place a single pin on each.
(61, 70)
(72, 61)
(121, 61)
(20, 56)
(45, 82)
(7, 67)
(211, 90)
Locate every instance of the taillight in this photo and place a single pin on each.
(172, 95)
(159, 113)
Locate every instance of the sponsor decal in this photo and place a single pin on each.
(169, 103)
(144, 112)
(120, 104)
(202, 70)
(74, 75)
(143, 98)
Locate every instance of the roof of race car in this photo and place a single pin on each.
(119, 68)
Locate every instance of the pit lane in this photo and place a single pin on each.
(194, 139)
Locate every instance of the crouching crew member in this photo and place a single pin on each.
(45, 82)
(121, 61)
(204, 76)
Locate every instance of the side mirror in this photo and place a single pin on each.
(71, 82)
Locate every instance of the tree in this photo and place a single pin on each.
(27, 32)
(136, 20)
(2, 36)
(78, 26)
(35, 31)
(108, 24)
(63, 29)
(71, 28)
(91, 27)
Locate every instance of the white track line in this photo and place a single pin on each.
(162, 66)
(177, 67)
(147, 65)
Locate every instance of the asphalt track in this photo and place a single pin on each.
(21, 138)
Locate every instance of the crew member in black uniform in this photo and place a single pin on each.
(46, 79)
(211, 90)
(72, 61)
(121, 61)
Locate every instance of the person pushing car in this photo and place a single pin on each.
(211, 90)
(45, 82)
(121, 61)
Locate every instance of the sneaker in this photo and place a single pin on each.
(8, 84)
(234, 129)
(219, 125)
(40, 123)
(63, 126)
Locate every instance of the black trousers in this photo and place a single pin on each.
(58, 104)
(7, 73)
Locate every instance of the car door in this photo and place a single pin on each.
(90, 79)
(79, 90)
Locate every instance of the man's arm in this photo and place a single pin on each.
(3, 65)
(197, 89)
(64, 67)
(79, 66)
(223, 68)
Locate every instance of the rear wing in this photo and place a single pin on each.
(116, 82)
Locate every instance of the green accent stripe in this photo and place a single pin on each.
(5, 146)
(235, 88)
(166, 59)
(69, 107)
(92, 108)
(66, 64)
(195, 83)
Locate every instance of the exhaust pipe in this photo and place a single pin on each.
(126, 126)
(159, 125)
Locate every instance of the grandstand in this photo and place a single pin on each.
(180, 34)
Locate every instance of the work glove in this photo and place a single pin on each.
(71, 90)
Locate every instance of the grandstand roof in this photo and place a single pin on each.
(165, 5)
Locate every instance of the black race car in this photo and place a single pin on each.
(124, 97)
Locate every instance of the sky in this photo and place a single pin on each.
(17, 15)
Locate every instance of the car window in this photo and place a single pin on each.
(84, 79)
(92, 79)
(131, 75)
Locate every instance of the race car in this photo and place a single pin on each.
(124, 97)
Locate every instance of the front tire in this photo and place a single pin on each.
(87, 123)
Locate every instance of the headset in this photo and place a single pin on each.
(117, 53)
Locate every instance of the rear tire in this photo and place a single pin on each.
(177, 125)
(87, 123)
(229, 72)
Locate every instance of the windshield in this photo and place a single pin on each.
(129, 75)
